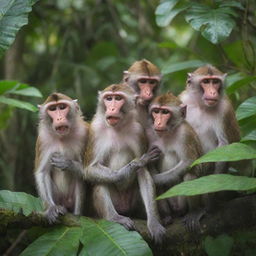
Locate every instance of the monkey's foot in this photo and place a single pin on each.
(125, 221)
(156, 230)
(53, 212)
(192, 220)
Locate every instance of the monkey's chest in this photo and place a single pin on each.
(205, 126)
(168, 161)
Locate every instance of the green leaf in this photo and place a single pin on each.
(18, 103)
(14, 15)
(249, 137)
(221, 245)
(107, 238)
(228, 153)
(30, 91)
(182, 65)
(165, 12)
(214, 24)
(209, 184)
(246, 109)
(17, 201)
(14, 87)
(239, 84)
(62, 241)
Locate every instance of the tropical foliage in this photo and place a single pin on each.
(79, 47)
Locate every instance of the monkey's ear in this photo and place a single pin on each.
(183, 110)
(76, 104)
(39, 106)
(125, 75)
(136, 99)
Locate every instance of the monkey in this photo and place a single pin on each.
(117, 142)
(145, 78)
(61, 129)
(180, 146)
(211, 114)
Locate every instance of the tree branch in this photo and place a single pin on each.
(235, 215)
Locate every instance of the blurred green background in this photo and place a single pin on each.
(79, 47)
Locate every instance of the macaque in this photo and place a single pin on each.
(144, 77)
(117, 145)
(180, 146)
(61, 129)
(210, 112)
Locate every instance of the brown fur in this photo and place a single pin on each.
(144, 67)
(208, 70)
(56, 96)
(167, 99)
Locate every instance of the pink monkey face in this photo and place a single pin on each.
(113, 103)
(58, 112)
(161, 116)
(147, 86)
(211, 87)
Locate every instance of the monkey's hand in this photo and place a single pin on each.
(59, 161)
(152, 155)
(53, 212)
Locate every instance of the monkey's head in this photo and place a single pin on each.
(116, 103)
(59, 112)
(207, 83)
(144, 77)
(166, 112)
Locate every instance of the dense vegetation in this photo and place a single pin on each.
(79, 47)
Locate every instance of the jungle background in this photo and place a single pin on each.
(79, 47)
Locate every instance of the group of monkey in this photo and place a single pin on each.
(137, 146)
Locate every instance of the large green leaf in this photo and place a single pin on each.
(182, 65)
(14, 87)
(215, 24)
(14, 15)
(246, 109)
(165, 12)
(18, 103)
(17, 201)
(249, 137)
(239, 84)
(209, 184)
(61, 241)
(107, 238)
(228, 153)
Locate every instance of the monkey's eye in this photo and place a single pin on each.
(118, 97)
(215, 81)
(154, 82)
(206, 81)
(156, 110)
(52, 108)
(143, 81)
(109, 98)
(62, 106)
(165, 111)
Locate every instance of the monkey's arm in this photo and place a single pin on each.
(44, 183)
(174, 175)
(98, 173)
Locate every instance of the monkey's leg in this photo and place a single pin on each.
(79, 197)
(165, 212)
(147, 190)
(192, 219)
(105, 208)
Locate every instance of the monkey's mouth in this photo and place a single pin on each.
(113, 120)
(160, 129)
(62, 129)
(211, 102)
